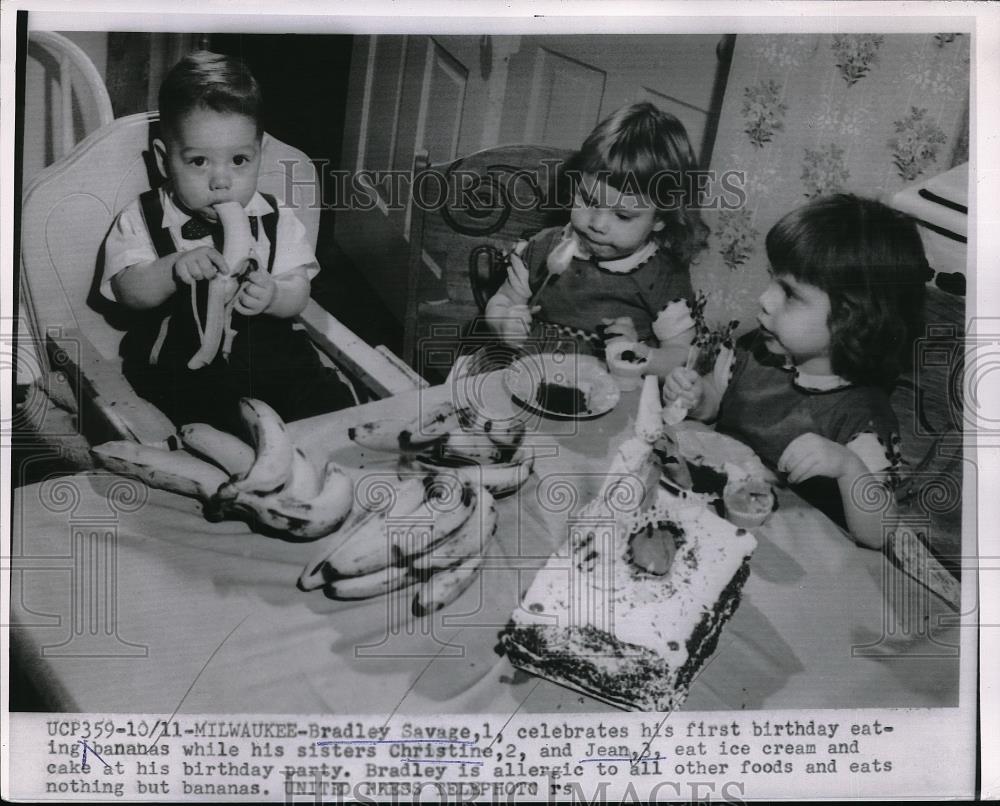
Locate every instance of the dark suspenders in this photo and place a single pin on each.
(152, 213)
(269, 221)
(163, 243)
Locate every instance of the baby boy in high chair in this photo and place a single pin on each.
(169, 240)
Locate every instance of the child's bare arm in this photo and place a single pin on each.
(811, 455)
(146, 285)
(292, 293)
(711, 395)
(867, 526)
(508, 314)
(505, 297)
(700, 393)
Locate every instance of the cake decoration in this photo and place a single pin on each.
(623, 633)
(629, 609)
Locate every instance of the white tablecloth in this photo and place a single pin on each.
(179, 614)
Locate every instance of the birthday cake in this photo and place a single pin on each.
(616, 616)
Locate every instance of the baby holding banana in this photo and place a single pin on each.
(214, 301)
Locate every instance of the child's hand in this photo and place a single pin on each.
(201, 263)
(256, 293)
(515, 324)
(685, 385)
(811, 455)
(517, 272)
(621, 328)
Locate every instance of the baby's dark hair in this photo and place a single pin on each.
(642, 149)
(205, 80)
(870, 260)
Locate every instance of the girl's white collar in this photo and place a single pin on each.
(816, 383)
(622, 265)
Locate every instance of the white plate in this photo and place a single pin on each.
(720, 452)
(523, 378)
(711, 448)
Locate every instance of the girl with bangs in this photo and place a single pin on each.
(615, 269)
(809, 390)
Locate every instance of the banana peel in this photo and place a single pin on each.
(222, 288)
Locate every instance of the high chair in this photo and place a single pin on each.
(59, 68)
(67, 210)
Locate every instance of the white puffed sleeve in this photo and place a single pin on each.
(293, 248)
(674, 324)
(873, 452)
(126, 244)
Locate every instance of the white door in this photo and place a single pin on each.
(560, 87)
(406, 93)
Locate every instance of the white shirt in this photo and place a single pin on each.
(128, 243)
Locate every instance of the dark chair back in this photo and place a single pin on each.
(464, 218)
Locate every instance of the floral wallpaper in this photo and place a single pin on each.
(806, 115)
(856, 55)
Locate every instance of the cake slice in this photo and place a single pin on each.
(595, 621)
(711, 459)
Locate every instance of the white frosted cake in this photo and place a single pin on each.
(634, 635)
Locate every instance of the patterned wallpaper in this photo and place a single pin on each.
(805, 115)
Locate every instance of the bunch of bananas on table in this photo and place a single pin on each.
(459, 441)
(271, 482)
(434, 535)
(428, 528)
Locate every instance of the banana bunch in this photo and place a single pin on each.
(271, 482)
(176, 471)
(433, 535)
(413, 435)
(463, 443)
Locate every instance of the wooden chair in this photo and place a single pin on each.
(465, 216)
(66, 212)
